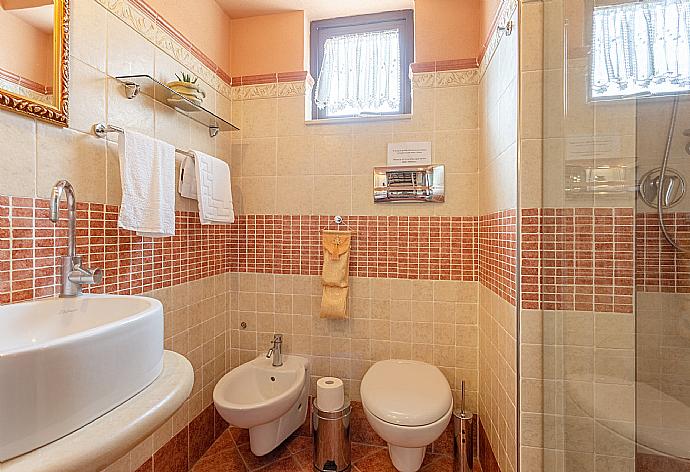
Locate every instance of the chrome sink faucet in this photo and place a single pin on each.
(73, 274)
(276, 350)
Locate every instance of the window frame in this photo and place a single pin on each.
(403, 20)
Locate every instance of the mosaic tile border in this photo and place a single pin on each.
(431, 248)
(498, 253)
(578, 259)
(659, 266)
(571, 258)
(31, 248)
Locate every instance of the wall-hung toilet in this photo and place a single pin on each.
(409, 404)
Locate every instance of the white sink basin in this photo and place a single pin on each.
(65, 362)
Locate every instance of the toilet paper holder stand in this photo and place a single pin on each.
(331, 438)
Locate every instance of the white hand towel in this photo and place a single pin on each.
(187, 186)
(213, 190)
(147, 171)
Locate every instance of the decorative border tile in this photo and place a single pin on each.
(147, 22)
(505, 13)
(280, 89)
(423, 80)
(279, 85)
(457, 78)
(252, 92)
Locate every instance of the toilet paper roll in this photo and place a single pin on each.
(330, 394)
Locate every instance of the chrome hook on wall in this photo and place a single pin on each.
(507, 28)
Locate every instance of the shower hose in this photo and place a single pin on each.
(662, 179)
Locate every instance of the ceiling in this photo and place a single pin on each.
(314, 9)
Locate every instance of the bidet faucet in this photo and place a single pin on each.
(73, 274)
(275, 351)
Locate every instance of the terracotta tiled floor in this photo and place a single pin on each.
(231, 453)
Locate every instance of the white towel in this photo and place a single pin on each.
(213, 190)
(147, 171)
(187, 186)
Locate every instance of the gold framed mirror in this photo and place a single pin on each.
(34, 58)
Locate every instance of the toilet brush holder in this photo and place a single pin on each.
(463, 437)
(331, 436)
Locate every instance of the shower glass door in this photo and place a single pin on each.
(615, 272)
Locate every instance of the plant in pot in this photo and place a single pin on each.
(186, 85)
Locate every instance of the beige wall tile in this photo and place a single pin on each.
(172, 127)
(18, 148)
(136, 115)
(129, 53)
(291, 116)
(461, 196)
(259, 157)
(258, 195)
(422, 113)
(457, 150)
(259, 118)
(332, 154)
(88, 33)
(295, 155)
(448, 113)
(66, 154)
(332, 195)
(87, 97)
(369, 151)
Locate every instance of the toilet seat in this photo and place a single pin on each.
(409, 404)
(406, 393)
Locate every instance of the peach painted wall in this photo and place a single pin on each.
(267, 44)
(26, 50)
(446, 29)
(487, 13)
(202, 22)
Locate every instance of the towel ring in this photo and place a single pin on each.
(338, 220)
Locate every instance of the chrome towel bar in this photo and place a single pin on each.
(101, 130)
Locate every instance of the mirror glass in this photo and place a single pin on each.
(32, 51)
(28, 55)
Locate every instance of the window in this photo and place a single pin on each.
(641, 49)
(361, 65)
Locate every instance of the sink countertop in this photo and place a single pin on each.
(103, 441)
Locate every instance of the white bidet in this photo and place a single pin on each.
(269, 401)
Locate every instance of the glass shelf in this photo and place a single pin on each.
(136, 84)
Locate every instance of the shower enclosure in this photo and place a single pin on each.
(615, 268)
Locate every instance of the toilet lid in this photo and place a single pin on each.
(406, 393)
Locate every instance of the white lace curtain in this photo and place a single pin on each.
(641, 48)
(360, 73)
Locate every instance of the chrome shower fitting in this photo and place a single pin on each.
(664, 191)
